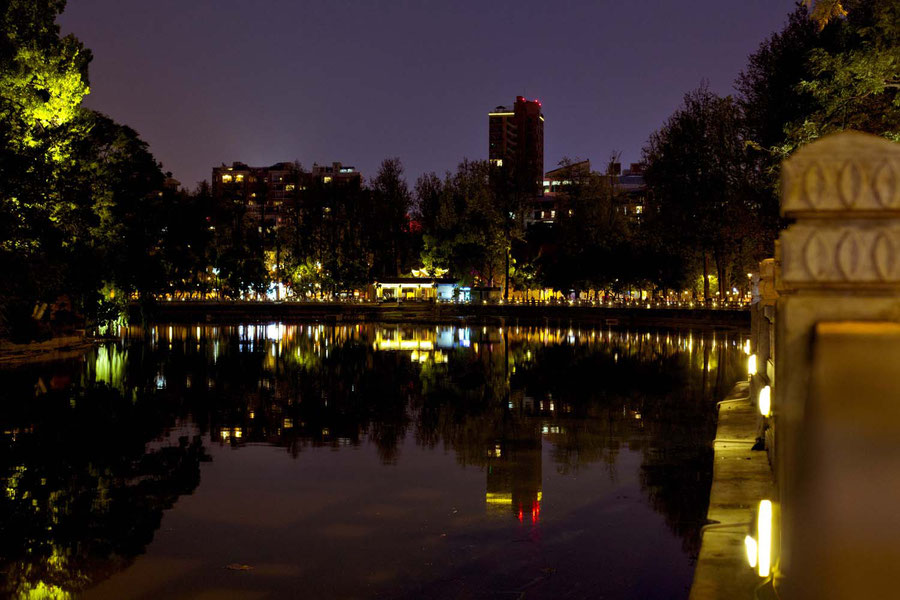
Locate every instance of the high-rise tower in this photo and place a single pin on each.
(516, 140)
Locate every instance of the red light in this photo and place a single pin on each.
(535, 512)
(521, 515)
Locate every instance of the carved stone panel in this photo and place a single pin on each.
(847, 172)
(826, 252)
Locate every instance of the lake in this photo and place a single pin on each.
(311, 460)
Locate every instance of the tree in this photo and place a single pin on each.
(587, 240)
(83, 209)
(389, 227)
(703, 185)
(464, 229)
(42, 80)
(832, 68)
(855, 79)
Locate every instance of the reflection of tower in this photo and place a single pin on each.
(514, 478)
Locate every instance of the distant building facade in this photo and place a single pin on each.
(628, 187)
(632, 192)
(268, 191)
(516, 139)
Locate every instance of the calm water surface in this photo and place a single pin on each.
(362, 461)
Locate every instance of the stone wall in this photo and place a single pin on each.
(838, 264)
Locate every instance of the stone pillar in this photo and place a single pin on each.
(839, 261)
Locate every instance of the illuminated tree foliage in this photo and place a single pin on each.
(834, 67)
(467, 223)
(824, 11)
(81, 203)
(855, 81)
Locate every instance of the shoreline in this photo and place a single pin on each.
(438, 314)
(67, 347)
(60, 348)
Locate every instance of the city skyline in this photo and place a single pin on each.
(201, 86)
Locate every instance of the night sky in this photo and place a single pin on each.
(212, 81)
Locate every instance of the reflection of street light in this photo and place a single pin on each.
(216, 273)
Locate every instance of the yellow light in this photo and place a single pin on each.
(498, 498)
(764, 534)
(751, 364)
(501, 114)
(765, 401)
(751, 546)
(747, 347)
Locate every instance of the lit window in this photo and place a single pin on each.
(239, 178)
(552, 214)
(639, 209)
(226, 178)
(326, 179)
(289, 187)
(497, 162)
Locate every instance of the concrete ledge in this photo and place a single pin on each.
(741, 478)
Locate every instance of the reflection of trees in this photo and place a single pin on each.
(84, 494)
(587, 394)
(652, 395)
(495, 400)
(677, 475)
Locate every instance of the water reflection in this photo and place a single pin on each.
(94, 451)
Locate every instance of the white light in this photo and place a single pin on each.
(751, 546)
(764, 533)
(765, 401)
(751, 364)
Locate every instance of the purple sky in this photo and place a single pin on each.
(212, 81)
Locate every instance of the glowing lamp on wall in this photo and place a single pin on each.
(751, 365)
(752, 550)
(759, 549)
(764, 538)
(765, 401)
